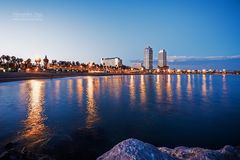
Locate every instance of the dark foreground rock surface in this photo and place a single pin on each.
(14, 151)
(133, 149)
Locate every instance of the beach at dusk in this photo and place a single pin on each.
(120, 80)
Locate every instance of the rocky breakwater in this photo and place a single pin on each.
(15, 151)
(133, 149)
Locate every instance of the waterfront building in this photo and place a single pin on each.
(162, 58)
(113, 62)
(137, 65)
(148, 58)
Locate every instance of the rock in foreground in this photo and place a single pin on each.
(14, 151)
(133, 149)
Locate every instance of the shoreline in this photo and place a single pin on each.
(19, 76)
(131, 149)
(136, 149)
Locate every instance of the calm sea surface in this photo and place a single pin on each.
(82, 117)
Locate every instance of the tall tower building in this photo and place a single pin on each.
(148, 58)
(162, 58)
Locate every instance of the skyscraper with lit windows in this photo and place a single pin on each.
(162, 58)
(148, 58)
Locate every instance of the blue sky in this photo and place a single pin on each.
(91, 29)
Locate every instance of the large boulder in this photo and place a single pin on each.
(133, 149)
(196, 153)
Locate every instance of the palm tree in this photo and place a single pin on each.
(7, 58)
(19, 63)
(28, 63)
(12, 63)
(45, 60)
(13, 58)
(3, 58)
(54, 62)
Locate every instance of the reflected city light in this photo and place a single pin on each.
(179, 94)
(113, 85)
(70, 88)
(116, 86)
(92, 116)
(189, 86)
(57, 88)
(169, 88)
(35, 131)
(210, 84)
(142, 90)
(104, 84)
(80, 91)
(23, 94)
(204, 85)
(224, 84)
(132, 91)
(158, 89)
(96, 83)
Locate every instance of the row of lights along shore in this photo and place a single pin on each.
(112, 65)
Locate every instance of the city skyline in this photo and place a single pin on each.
(87, 31)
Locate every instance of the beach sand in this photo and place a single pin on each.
(16, 76)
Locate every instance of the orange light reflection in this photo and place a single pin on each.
(35, 131)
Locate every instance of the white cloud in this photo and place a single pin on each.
(192, 58)
(197, 58)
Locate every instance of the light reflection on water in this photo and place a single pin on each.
(166, 110)
(158, 89)
(57, 88)
(204, 86)
(70, 89)
(210, 85)
(224, 86)
(189, 87)
(35, 131)
(142, 90)
(80, 91)
(179, 87)
(169, 88)
(92, 115)
(132, 91)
